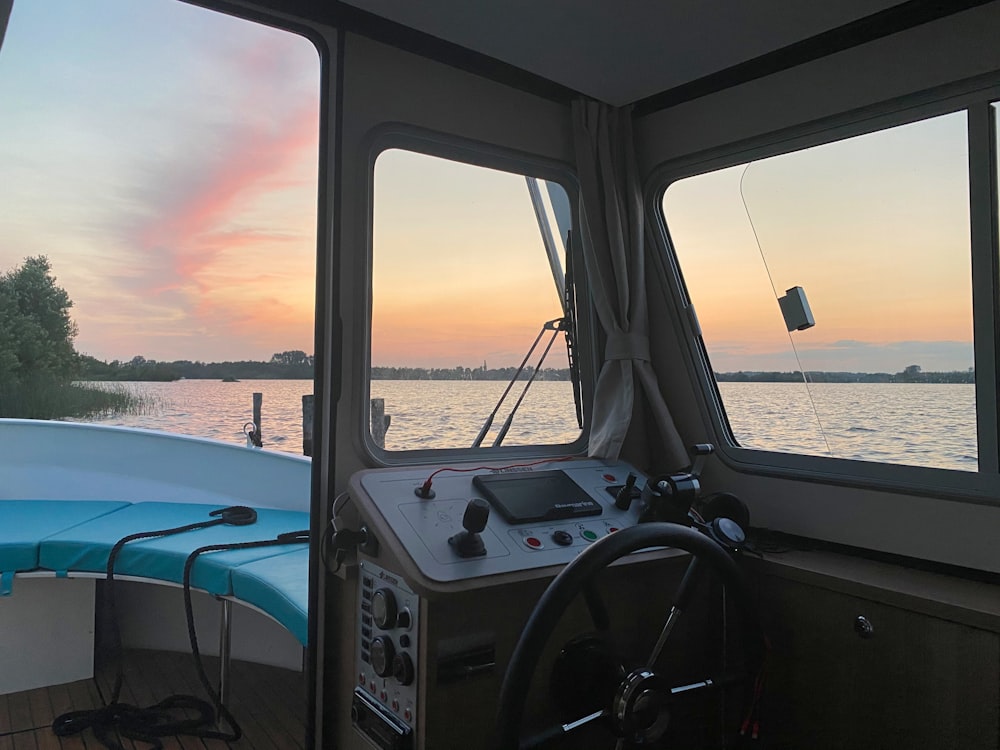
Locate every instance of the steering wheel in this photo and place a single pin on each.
(636, 713)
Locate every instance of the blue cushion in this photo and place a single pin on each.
(86, 546)
(24, 523)
(280, 587)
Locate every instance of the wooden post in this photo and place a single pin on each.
(380, 421)
(258, 398)
(307, 425)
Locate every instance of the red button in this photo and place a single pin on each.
(382, 695)
(361, 678)
(408, 715)
(532, 541)
(395, 706)
(612, 530)
(609, 477)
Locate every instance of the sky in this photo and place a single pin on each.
(875, 229)
(164, 158)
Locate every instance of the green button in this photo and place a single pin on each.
(588, 535)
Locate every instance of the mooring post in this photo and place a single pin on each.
(380, 421)
(258, 398)
(307, 425)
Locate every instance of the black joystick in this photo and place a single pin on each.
(625, 495)
(468, 543)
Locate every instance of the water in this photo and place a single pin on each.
(211, 408)
(915, 424)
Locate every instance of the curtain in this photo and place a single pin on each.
(611, 236)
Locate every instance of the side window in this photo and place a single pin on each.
(158, 191)
(468, 270)
(875, 230)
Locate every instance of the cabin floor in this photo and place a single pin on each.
(268, 702)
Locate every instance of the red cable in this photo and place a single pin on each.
(426, 486)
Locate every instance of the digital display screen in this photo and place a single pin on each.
(536, 496)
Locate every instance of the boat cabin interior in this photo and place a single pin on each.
(742, 491)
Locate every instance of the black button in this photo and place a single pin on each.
(368, 582)
(404, 640)
(366, 607)
(365, 657)
(366, 595)
(367, 620)
(366, 633)
(561, 537)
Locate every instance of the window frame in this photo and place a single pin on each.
(975, 97)
(415, 139)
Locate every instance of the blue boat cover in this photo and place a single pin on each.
(278, 585)
(24, 523)
(86, 546)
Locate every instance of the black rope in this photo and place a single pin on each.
(161, 719)
(292, 537)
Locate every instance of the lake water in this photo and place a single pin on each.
(915, 424)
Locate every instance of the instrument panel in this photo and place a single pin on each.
(439, 531)
(536, 516)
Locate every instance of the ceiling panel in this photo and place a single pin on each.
(626, 50)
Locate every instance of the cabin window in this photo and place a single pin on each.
(468, 269)
(875, 229)
(163, 160)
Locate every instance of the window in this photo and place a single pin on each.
(163, 160)
(468, 267)
(876, 230)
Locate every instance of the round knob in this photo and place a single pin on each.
(477, 513)
(383, 653)
(728, 532)
(863, 627)
(402, 668)
(384, 609)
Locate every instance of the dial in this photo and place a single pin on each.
(382, 652)
(384, 609)
(402, 668)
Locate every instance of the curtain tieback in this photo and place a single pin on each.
(627, 346)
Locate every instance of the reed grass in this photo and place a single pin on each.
(41, 399)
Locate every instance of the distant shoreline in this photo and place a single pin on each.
(142, 370)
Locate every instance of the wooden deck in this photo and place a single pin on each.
(268, 702)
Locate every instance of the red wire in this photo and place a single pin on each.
(427, 483)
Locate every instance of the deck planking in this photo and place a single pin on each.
(268, 703)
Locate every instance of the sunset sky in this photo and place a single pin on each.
(164, 158)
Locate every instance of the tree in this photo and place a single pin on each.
(294, 357)
(36, 331)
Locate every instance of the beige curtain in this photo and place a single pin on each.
(611, 237)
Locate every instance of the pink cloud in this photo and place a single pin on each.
(258, 154)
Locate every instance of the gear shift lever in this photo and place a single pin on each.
(469, 543)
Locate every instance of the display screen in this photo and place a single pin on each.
(536, 496)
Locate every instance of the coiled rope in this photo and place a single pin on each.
(168, 717)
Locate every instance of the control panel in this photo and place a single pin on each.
(385, 698)
(461, 522)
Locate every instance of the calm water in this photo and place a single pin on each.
(916, 424)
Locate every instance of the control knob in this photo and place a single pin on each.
(402, 668)
(384, 609)
(382, 652)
